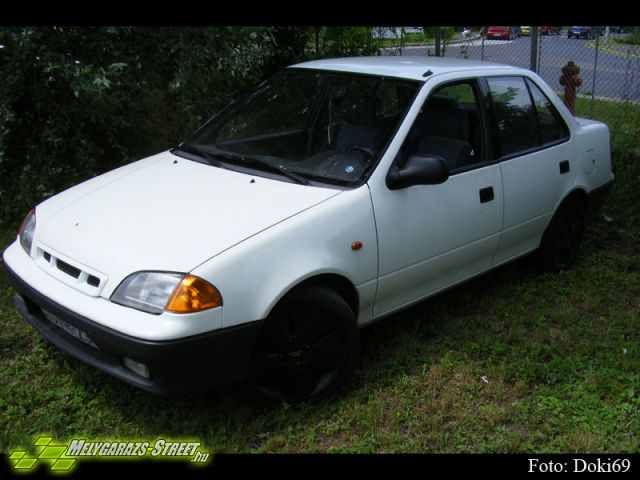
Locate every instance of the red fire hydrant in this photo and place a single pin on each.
(570, 80)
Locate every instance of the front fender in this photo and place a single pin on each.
(255, 274)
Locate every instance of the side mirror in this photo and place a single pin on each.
(419, 170)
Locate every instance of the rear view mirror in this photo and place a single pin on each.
(419, 170)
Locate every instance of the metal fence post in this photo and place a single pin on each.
(540, 42)
(627, 70)
(482, 48)
(595, 72)
(438, 41)
(534, 49)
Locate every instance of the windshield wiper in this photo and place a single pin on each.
(274, 168)
(213, 154)
(257, 161)
(210, 157)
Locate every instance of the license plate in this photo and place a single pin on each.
(70, 329)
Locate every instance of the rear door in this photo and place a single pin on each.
(531, 141)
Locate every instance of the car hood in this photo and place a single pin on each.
(165, 213)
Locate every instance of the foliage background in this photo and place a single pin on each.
(78, 101)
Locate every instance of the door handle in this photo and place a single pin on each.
(564, 166)
(486, 194)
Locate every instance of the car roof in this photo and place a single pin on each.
(410, 67)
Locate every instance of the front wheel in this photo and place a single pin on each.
(561, 241)
(308, 348)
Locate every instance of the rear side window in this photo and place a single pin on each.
(514, 115)
(552, 126)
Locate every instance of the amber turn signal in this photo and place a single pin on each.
(193, 294)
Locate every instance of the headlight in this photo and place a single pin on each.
(155, 292)
(26, 231)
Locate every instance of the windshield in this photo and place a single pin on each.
(308, 125)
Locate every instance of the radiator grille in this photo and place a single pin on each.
(88, 281)
(68, 269)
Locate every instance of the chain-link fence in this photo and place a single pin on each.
(608, 57)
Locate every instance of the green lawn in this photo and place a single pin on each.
(513, 361)
(415, 38)
(409, 38)
(623, 119)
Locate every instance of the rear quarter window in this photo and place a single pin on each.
(553, 129)
(515, 121)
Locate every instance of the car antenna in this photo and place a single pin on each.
(427, 73)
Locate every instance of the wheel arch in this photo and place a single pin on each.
(578, 191)
(332, 281)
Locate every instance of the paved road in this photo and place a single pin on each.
(616, 76)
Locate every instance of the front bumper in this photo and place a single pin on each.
(192, 364)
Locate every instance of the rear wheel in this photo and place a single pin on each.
(561, 241)
(308, 348)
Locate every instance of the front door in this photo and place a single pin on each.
(433, 236)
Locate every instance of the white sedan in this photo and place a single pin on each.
(332, 195)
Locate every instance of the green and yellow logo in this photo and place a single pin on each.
(64, 457)
(45, 452)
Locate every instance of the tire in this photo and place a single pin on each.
(561, 240)
(308, 348)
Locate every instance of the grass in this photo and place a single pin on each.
(626, 48)
(622, 117)
(414, 38)
(409, 38)
(514, 361)
(632, 38)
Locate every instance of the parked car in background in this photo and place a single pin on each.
(545, 30)
(581, 32)
(525, 31)
(501, 33)
(334, 194)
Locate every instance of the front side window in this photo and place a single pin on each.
(449, 126)
(515, 119)
(552, 126)
(318, 125)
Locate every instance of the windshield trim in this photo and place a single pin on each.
(313, 179)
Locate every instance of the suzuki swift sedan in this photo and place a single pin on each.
(332, 195)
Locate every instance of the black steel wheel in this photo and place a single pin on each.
(308, 347)
(561, 241)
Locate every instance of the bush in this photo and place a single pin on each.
(76, 102)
